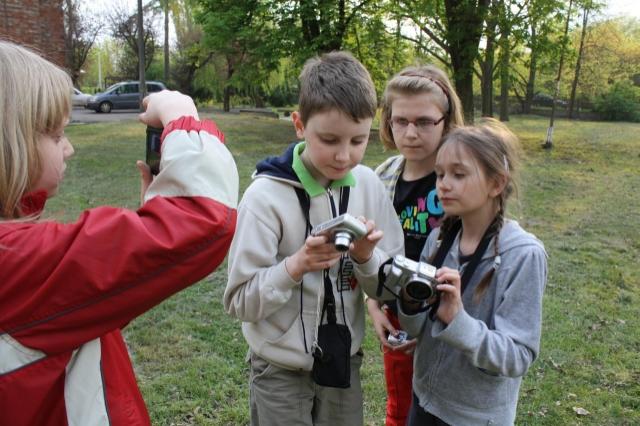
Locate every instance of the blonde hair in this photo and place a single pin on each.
(35, 99)
(496, 150)
(417, 80)
(336, 80)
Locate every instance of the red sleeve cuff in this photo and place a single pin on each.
(189, 123)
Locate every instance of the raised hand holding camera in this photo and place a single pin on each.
(450, 296)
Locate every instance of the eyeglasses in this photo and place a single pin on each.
(423, 125)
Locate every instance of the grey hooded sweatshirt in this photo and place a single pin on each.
(469, 371)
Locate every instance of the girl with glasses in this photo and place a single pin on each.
(419, 107)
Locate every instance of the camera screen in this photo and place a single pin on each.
(153, 149)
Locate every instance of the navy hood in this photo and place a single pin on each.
(279, 167)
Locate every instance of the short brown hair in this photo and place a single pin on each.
(416, 80)
(336, 80)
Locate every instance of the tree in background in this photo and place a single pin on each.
(80, 32)
(455, 27)
(313, 27)
(241, 32)
(191, 55)
(124, 28)
(548, 143)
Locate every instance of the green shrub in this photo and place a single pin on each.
(621, 103)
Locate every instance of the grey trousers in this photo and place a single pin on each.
(286, 397)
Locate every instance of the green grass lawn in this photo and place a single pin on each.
(581, 199)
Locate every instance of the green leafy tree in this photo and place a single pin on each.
(243, 34)
(124, 28)
(621, 103)
(80, 32)
(454, 27)
(191, 55)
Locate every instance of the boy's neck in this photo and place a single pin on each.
(414, 170)
(319, 177)
(474, 226)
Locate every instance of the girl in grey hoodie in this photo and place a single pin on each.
(481, 335)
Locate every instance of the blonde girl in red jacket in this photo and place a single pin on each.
(66, 290)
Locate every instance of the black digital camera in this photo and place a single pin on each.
(153, 149)
(417, 279)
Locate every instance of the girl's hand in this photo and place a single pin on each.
(315, 255)
(381, 323)
(450, 298)
(362, 249)
(408, 347)
(163, 107)
(145, 178)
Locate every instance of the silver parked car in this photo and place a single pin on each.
(124, 95)
(78, 98)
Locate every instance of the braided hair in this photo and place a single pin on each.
(496, 150)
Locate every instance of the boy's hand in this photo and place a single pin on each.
(163, 107)
(362, 249)
(315, 255)
(450, 299)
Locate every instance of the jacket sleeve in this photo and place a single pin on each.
(392, 242)
(258, 283)
(513, 343)
(66, 284)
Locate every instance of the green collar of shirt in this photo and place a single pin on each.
(311, 185)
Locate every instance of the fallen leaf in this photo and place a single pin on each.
(581, 411)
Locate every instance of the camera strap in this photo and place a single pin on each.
(471, 267)
(329, 303)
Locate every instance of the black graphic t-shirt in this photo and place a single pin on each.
(419, 211)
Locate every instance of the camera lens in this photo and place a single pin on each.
(419, 289)
(342, 240)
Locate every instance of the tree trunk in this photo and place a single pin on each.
(486, 67)
(464, 28)
(141, 56)
(166, 42)
(463, 80)
(533, 66)
(228, 90)
(505, 57)
(548, 143)
(576, 76)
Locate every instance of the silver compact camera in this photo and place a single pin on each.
(343, 230)
(417, 279)
(398, 340)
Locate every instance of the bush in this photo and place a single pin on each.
(621, 103)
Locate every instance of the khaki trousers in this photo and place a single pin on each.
(286, 397)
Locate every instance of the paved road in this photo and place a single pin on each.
(81, 115)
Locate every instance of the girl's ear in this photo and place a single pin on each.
(498, 185)
(297, 124)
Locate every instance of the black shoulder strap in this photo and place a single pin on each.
(344, 199)
(305, 205)
(446, 243)
(444, 248)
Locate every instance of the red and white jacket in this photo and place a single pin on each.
(66, 290)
